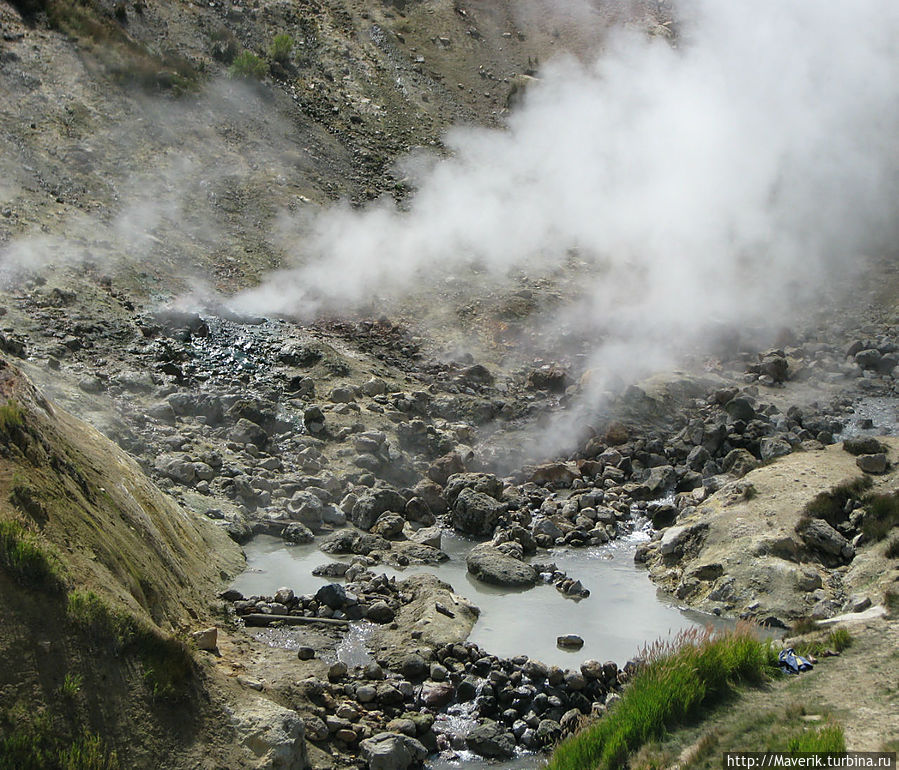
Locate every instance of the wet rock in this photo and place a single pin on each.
(298, 533)
(491, 566)
(389, 526)
(413, 666)
(392, 751)
(475, 513)
(491, 739)
(305, 653)
(484, 483)
(332, 594)
(570, 641)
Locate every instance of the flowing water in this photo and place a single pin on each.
(623, 611)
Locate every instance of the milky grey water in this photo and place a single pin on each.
(623, 612)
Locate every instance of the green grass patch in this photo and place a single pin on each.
(167, 662)
(281, 48)
(836, 641)
(12, 417)
(248, 65)
(803, 626)
(678, 683)
(828, 738)
(27, 560)
(31, 741)
(881, 516)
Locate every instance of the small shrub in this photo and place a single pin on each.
(26, 559)
(248, 65)
(803, 626)
(892, 549)
(891, 602)
(839, 639)
(281, 48)
(830, 506)
(881, 517)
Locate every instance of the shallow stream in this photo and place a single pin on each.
(623, 612)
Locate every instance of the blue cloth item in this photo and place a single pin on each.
(791, 663)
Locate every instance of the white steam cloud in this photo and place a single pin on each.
(723, 178)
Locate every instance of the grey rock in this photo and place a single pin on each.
(820, 536)
(380, 612)
(770, 448)
(274, 735)
(247, 432)
(491, 740)
(491, 566)
(392, 751)
(297, 532)
(370, 506)
(876, 463)
(475, 513)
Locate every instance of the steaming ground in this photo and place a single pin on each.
(641, 203)
(723, 180)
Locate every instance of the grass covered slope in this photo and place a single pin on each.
(678, 682)
(101, 578)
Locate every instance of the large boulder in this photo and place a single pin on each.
(475, 513)
(490, 565)
(371, 505)
(274, 735)
(485, 483)
(392, 751)
(306, 508)
(818, 535)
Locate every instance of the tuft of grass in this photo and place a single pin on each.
(70, 686)
(27, 560)
(680, 680)
(829, 738)
(167, 662)
(839, 639)
(12, 417)
(248, 65)
(882, 515)
(281, 48)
